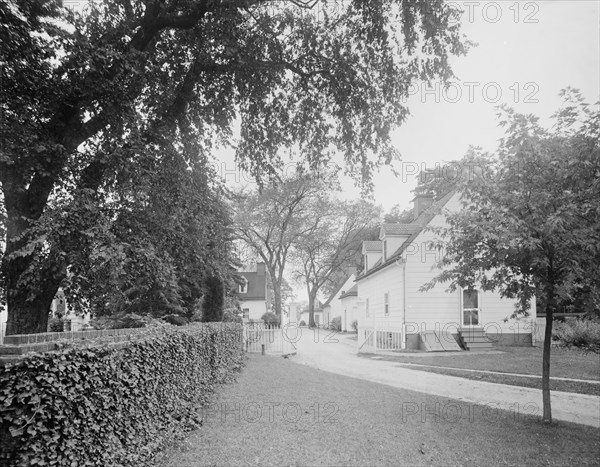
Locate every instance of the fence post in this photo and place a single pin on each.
(263, 349)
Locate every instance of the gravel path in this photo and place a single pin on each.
(337, 354)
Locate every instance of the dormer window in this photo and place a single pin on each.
(366, 263)
(243, 288)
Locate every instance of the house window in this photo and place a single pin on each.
(246, 313)
(367, 307)
(384, 250)
(471, 310)
(386, 304)
(244, 287)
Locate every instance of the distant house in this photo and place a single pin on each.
(332, 308)
(319, 320)
(253, 293)
(60, 309)
(394, 313)
(295, 311)
(349, 304)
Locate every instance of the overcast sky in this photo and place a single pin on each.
(527, 51)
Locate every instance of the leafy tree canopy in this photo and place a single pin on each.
(92, 101)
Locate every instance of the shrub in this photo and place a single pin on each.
(302, 323)
(270, 318)
(336, 324)
(177, 320)
(231, 315)
(100, 405)
(354, 326)
(584, 334)
(56, 325)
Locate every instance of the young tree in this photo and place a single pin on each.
(530, 219)
(332, 241)
(87, 96)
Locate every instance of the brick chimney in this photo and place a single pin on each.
(421, 203)
(260, 269)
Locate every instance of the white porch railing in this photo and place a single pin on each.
(376, 339)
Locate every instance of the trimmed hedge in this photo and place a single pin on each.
(102, 405)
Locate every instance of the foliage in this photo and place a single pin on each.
(398, 216)
(56, 325)
(214, 296)
(302, 323)
(580, 333)
(176, 320)
(120, 321)
(271, 220)
(530, 220)
(331, 240)
(271, 319)
(354, 325)
(102, 406)
(232, 315)
(336, 324)
(107, 110)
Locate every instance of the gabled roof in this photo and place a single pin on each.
(353, 292)
(256, 286)
(369, 245)
(399, 229)
(337, 290)
(421, 222)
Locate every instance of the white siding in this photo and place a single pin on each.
(374, 287)
(256, 308)
(438, 308)
(335, 305)
(349, 312)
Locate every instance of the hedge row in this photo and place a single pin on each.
(107, 406)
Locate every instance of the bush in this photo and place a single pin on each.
(584, 334)
(302, 323)
(354, 326)
(177, 320)
(231, 315)
(56, 325)
(100, 405)
(336, 324)
(270, 318)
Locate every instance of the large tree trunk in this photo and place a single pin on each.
(28, 307)
(311, 309)
(547, 415)
(277, 298)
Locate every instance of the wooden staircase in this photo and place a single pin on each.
(475, 339)
(434, 342)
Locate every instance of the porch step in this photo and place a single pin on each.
(475, 338)
(436, 343)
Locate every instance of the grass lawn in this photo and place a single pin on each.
(555, 385)
(283, 413)
(564, 363)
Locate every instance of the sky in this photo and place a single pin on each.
(527, 52)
